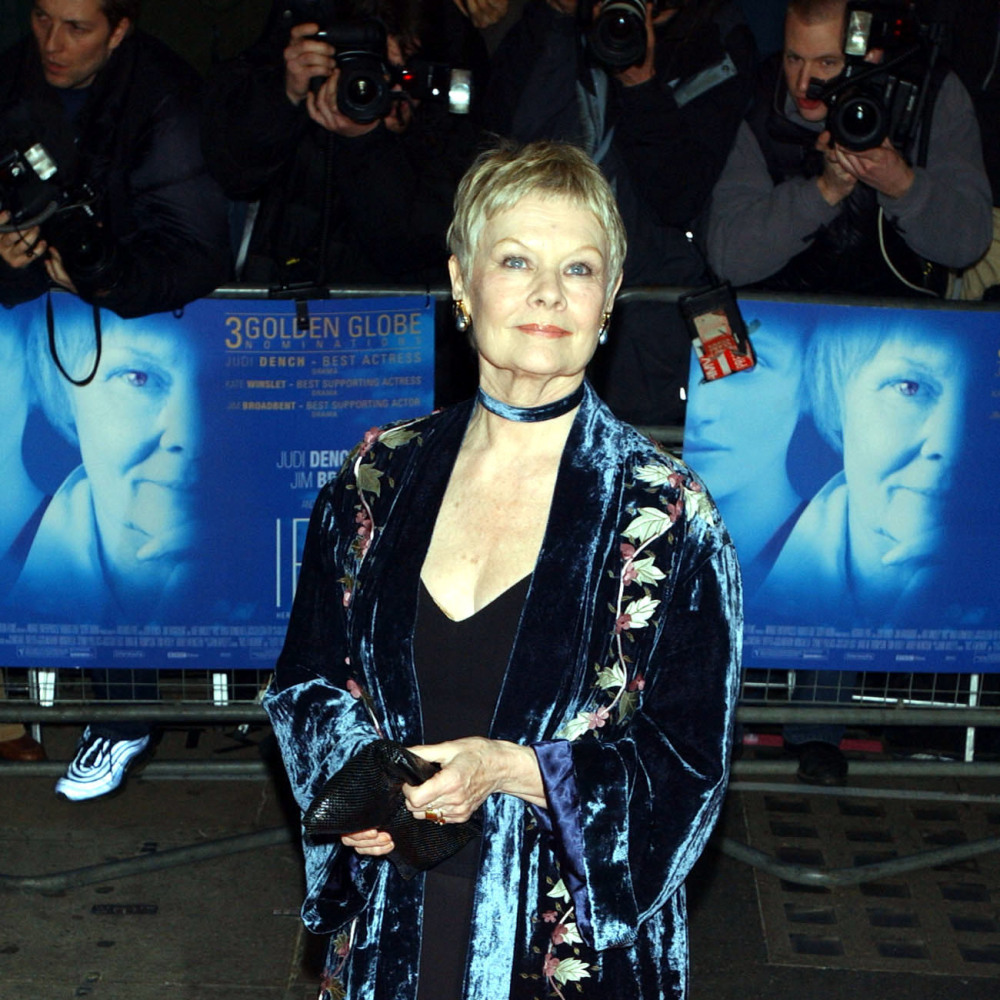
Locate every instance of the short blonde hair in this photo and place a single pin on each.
(499, 178)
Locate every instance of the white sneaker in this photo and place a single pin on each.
(100, 766)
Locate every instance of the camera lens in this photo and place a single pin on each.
(859, 123)
(618, 35)
(361, 91)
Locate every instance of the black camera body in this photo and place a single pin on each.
(365, 89)
(870, 101)
(617, 35)
(34, 191)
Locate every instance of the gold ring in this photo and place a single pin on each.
(434, 817)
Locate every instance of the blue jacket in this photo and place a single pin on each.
(622, 677)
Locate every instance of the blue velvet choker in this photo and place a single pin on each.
(530, 414)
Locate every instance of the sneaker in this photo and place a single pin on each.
(100, 766)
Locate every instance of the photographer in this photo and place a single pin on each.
(342, 199)
(143, 227)
(797, 210)
(659, 118)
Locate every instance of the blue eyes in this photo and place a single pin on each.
(579, 269)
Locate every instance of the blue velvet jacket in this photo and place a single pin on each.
(622, 677)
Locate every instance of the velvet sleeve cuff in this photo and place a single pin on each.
(562, 818)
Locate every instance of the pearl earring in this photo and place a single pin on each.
(602, 336)
(462, 318)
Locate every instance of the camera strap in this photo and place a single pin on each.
(53, 350)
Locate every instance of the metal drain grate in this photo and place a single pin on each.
(944, 920)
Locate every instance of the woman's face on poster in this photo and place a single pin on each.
(904, 420)
(139, 424)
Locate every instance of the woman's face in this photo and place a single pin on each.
(738, 427)
(139, 427)
(904, 420)
(537, 292)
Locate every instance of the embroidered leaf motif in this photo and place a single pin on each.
(639, 612)
(649, 523)
(368, 479)
(569, 970)
(645, 571)
(627, 704)
(575, 728)
(656, 475)
(568, 934)
(394, 438)
(611, 677)
(559, 891)
(698, 503)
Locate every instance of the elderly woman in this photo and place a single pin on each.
(527, 592)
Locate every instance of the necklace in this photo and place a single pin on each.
(530, 414)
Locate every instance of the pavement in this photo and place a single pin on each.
(225, 923)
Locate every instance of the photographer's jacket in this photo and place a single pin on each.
(331, 209)
(770, 226)
(137, 144)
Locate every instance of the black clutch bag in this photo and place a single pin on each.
(366, 794)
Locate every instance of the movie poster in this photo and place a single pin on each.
(157, 491)
(857, 467)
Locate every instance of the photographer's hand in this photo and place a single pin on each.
(483, 13)
(21, 247)
(305, 57)
(57, 271)
(835, 183)
(882, 168)
(322, 108)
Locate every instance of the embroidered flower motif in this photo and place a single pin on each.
(550, 916)
(371, 436)
(342, 945)
(355, 688)
(617, 695)
(330, 987)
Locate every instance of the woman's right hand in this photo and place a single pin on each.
(373, 842)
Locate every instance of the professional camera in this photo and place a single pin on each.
(617, 37)
(365, 89)
(871, 100)
(33, 190)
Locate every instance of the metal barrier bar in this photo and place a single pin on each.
(246, 711)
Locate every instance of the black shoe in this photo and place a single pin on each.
(820, 763)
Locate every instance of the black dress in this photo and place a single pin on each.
(460, 666)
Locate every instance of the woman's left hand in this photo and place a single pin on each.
(473, 768)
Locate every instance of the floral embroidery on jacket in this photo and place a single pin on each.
(368, 483)
(616, 694)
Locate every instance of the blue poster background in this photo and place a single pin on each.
(857, 470)
(155, 517)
